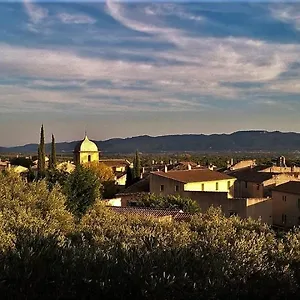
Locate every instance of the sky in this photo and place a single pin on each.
(121, 69)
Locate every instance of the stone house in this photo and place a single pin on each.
(180, 181)
(286, 204)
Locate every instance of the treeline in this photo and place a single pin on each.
(49, 252)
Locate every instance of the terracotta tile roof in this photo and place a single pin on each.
(251, 176)
(176, 214)
(196, 175)
(115, 162)
(291, 187)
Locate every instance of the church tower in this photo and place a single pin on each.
(86, 151)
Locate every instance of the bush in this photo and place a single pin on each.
(44, 254)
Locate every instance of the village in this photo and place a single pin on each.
(270, 194)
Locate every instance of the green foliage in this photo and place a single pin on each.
(55, 176)
(21, 161)
(32, 207)
(82, 189)
(136, 166)
(41, 155)
(170, 201)
(53, 161)
(44, 254)
(129, 177)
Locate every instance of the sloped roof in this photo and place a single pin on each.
(20, 169)
(176, 214)
(251, 175)
(115, 162)
(291, 187)
(194, 175)
(142, 186)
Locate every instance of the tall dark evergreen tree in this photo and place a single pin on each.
(53, 154)
(136, 166)
(129, 177)
(41, 155)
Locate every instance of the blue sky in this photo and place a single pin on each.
(119, 69)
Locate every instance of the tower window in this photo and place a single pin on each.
(89, 158)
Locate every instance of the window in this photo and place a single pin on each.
(202, 186)
(162, 187)
(228, 185)
(257, 186)
(283, 219)
(284, 198)
(217, 186)
(89, 158)
(246, 184)
(176, 188)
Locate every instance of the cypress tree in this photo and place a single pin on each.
(129, 177)
(137, 166)
(53, 154)
(41, 155)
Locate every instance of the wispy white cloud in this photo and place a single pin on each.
(75, 18)
(36, 13)
(186, 77)
(287, 13)
(42, 22)
(170, 9)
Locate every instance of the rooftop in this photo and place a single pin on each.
(142, 186)
(176, 214)
(195, 175)
(291, 187)
(251, 175)
(115, 162)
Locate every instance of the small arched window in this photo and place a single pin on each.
(89, 158)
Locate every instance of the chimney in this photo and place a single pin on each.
(231, 162)
(143, 170)
(189, 167)
(8, 166)
(166, 169)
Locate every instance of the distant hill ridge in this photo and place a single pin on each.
(255, 140)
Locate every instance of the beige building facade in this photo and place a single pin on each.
(253, 184)
(178, 182)
(286, 204)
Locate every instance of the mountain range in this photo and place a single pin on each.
(238, 141)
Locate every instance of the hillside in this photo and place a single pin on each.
(237, 141)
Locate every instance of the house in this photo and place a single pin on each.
(253, 184)
(66, 166)
(120, 178)
(180, 181)
(117, 165)
(4, 165)
(286, 204)
(242, 164)
(255, 208)
(131, 193)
